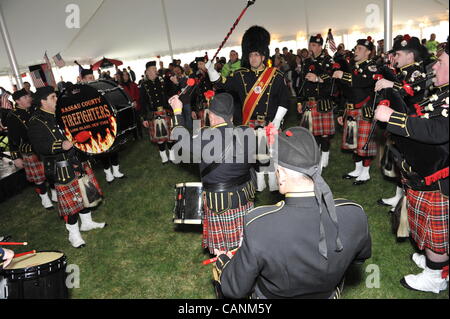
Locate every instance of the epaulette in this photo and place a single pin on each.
(262, 211)
(345, 202)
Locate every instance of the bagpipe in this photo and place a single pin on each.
(392, 99)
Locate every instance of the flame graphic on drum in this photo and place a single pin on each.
(97, 144)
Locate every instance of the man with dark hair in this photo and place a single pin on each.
(62, 162)
(301, 247)
(199, 100)
(423, 158)
(110, 161)
(410, 85)
(358, 88)
(316, 103)
(22, 153)
(156, 112)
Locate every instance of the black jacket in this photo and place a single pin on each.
(17, 123)
(279, 256)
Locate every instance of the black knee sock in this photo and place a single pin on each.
(436, 266)
(105, 159)
(72, 219)
(162, 147)
(357, 158)
(325, 146)
(114, 158)
(41, 189)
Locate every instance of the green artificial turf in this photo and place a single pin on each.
(141, 254)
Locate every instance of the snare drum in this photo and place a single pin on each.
(38, 276)
(188, 204)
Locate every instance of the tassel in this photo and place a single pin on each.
(443, 173)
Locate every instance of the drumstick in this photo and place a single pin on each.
(213, 260)
(13, 244)
(24, 254)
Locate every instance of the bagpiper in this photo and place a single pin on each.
(22, 152)
(410, 84)
(423, 158)
(315, 98)
(156, 112)
(73, 175)
(358, 89)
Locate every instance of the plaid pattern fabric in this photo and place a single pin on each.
(364, 127)
(155, 137)
(428, 220)
(34, 169)
(322, 123)
(90, 173)
(70, 201)
(224, 231)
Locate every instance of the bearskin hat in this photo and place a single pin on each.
(255, 39)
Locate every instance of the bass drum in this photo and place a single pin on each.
(97, 117)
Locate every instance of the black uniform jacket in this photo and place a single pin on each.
(17, 123)
(242, 81)
(280, 258)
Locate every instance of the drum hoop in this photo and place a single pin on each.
(194, 184)
(35, 271)
(180, 185)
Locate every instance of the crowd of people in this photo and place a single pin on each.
(302, 246)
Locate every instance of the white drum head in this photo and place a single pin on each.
(33, 260)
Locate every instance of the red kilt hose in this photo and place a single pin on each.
(224, 231)
(160, 133)
(363, 130)
(428, 220)
(70, 200)
(34, 169)
(322, 123)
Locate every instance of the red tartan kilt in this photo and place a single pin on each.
(322, 123)
(428, 220)
(160, 127)
(224, 231)
(70, 201)
(363, 130)
(34, 169)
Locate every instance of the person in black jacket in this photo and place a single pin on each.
(21, 150)
(226, 159)
(64, 165)
(422, 158)
(302, 246)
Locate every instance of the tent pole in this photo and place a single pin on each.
(10, 51)
(305, 4)
(387, 25)
(169, 40)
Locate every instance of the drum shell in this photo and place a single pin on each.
(188, 204)
(46, 281)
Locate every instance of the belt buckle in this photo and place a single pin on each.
(260, 118)
(350, 106)
(159, 109)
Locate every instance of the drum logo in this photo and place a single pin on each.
(88, 123)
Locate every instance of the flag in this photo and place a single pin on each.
(38, 75)
(330, 40)
(5, 103)
(47, 68)
(59, 61)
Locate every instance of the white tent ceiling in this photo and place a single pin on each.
(136, 29)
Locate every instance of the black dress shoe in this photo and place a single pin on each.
(380, 202)
(347, 176)
(405, 284)
(359, 183)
